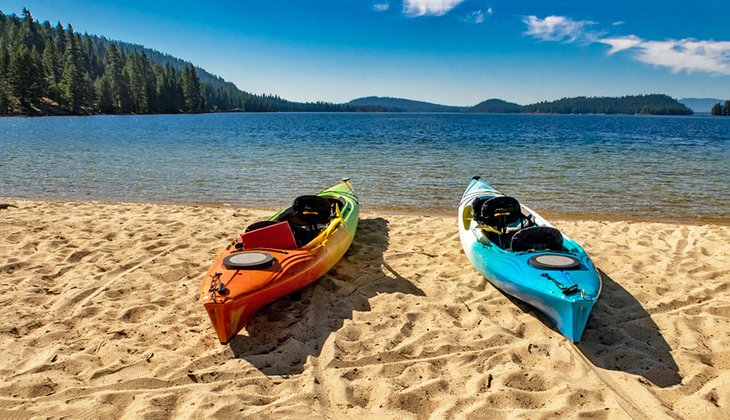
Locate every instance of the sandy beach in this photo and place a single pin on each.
(99, 319)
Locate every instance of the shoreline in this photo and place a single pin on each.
(694, 114)
(389, 210)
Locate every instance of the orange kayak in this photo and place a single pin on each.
(273, 258)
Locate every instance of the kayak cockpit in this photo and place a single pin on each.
(295, 227)
(504, 222)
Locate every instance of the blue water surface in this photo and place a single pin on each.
(668, 167)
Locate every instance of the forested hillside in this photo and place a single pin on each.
(47, 69)
(496, 106)
(404, 105)
(53, 70)
(640, 104)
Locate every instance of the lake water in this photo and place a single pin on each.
(625, 166)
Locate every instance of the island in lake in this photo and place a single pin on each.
(721, 109)
(52, 70)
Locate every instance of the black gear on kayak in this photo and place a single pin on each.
(309, 215)
(498, 212)
(311, 210)
(569, 290)
(537, 238)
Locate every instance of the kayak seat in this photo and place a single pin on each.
(277, 235)
(498, 212)
(498, 216)
(311, 210)
(310, 215)
(537, 238)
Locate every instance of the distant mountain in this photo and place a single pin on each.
(655, 104)
(404, 105)
(496, 106)
(700, 104)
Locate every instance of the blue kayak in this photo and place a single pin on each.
(523, 255)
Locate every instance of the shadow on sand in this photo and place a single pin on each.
(620, 335)
(282, 335)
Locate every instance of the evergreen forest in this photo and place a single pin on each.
(53, 70)
(655, 104)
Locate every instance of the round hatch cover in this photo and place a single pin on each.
(554, 262)
(248, 261)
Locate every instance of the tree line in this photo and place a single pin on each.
(721, 109)
(52, 70)
(655, 104)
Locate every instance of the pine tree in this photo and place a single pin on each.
(4, 61)
(191, 89)
(142, 83)
(5, 96)
(59, 41)
(50, 70)
(150, 83)
(23, 74)
(118, 85)
(103, 95)
(31, 37)
(72, 79)
(36, 75)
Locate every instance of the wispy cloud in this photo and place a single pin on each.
(381, 7)
(474, 17)
(678, 55)
(618, 23)
(621, 43)
(556, 28)
(686, 55)
(415, 8)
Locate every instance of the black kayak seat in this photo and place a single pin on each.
(311, 210)
(309, 215)
(537, 238)
(498, 212)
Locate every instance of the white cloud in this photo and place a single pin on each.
(381, 7)
(556, 28)
(415, 8)
(474, 17)
(688, 55)
(490, 10)
(618, 23)
(621, 43)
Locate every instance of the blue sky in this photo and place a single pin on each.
(456, 52)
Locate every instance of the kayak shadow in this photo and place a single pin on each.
(622, 336)
(283, 335)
